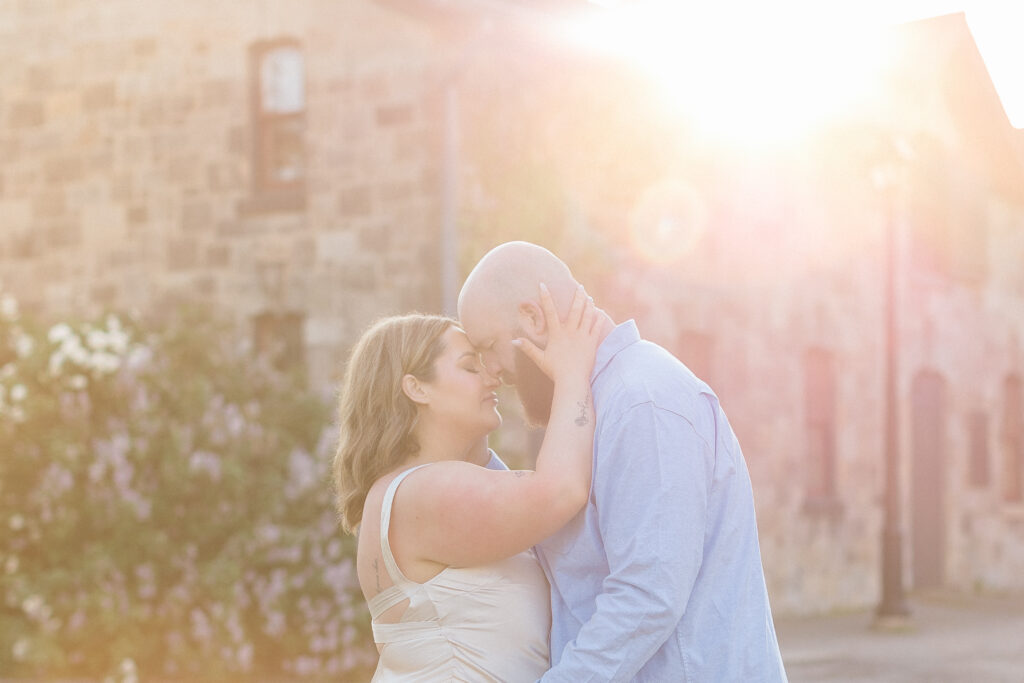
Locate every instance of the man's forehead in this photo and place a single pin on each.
(481, 324)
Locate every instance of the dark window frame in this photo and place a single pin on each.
(270, 193)
(1012, 433)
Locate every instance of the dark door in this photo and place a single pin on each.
(928, 479)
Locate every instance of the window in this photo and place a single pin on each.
(977, 456)
(279, 123)
(1013, 441)
(820, 425)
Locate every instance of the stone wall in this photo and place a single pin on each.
(127, 136)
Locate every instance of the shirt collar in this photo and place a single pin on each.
(619, 338)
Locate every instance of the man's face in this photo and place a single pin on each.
(492, 336)
(535, 390)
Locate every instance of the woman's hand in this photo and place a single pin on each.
(572, 343)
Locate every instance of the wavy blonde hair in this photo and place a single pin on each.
(376, 418)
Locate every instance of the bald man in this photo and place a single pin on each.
(659, 578)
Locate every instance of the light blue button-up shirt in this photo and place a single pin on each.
(659, 578)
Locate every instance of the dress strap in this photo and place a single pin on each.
(397, 577)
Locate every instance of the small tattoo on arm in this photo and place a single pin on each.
(582, 419)
(520, 473)
(376, 573)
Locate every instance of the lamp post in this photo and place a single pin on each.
(892, 611)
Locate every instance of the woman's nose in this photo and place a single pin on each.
(490, 380)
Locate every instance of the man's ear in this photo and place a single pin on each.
(412, 388)
(531, 319)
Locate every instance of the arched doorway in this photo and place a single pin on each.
(928, 479)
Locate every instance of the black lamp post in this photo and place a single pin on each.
(892, 609)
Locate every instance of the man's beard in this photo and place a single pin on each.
(535, 390)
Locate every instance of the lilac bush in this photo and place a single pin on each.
(165, 509)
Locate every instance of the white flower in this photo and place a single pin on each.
(7, 371)
(59, 332)
(56, 363)
(20, 649)
(97, 339)
(117, 341)
(73, 349)
(8, 307)
(203, 461)
(24, 345)
(78, 382)
(139, 357)
(11, 565)
(16, 522)
(18, 393)
(104, 363)
(33, 605)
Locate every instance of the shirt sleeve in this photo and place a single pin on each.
(651, 497)
(495, 463)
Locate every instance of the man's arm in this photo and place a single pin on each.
(651, 496)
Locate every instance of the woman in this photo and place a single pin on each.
(444, 555)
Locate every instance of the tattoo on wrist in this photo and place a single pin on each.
(520, 473)
(582, 418)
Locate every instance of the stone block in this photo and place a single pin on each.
(396, 192)
(137, 215)
(99, 96)
(355, 201)
(238, 140)
(62, 170)
(63, 106)
(49, 204)
(357, 276)
(205, 286)
(145, 48)
(374, 87)
(39, 78)
(375, 238)
(182, 254)
(218, 256)
(221, 92)
(25, 246)
(303, 253)
(196, 216)
(104, 294)
(394, 115)
(29, 114)
(119, 258)
(224, 177)
(63, 234)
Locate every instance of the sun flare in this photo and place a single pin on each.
(750, 78)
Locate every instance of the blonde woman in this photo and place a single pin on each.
(445, 556)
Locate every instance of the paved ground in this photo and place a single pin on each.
(951, 638)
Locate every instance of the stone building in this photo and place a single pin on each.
(781, 306)
(278, 160)
(296, 165)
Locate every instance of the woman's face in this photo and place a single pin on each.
(462, 394)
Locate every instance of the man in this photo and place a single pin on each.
(660, 577)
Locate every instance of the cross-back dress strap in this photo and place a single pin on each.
(397, 577)
(395, 593)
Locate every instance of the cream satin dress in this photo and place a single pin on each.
(473, 624)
